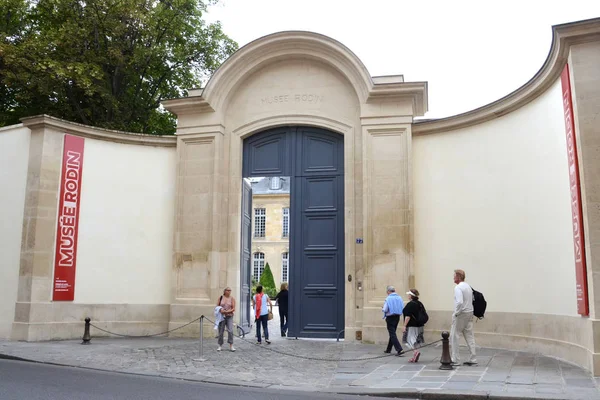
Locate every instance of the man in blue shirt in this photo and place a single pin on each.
(392, 309)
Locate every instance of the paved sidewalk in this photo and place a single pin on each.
(355, 368)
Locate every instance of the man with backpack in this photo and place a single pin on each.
(462, 319)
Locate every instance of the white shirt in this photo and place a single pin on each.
(463, 298)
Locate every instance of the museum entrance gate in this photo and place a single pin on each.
(313, 158)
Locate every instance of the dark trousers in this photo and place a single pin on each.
(264, 321)
(392, 324)
(283, 320)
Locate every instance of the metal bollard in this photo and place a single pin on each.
(201, 358)
(446, 361)
(86, 332)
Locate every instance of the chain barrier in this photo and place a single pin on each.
(242, 338)
(324, 359)
(143, 336)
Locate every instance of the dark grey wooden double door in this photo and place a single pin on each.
(314, 160)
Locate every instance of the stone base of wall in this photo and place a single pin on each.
(59, 321)
(181, 314)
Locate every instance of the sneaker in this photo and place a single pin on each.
(231, 348)
(219, 348)
(470, 363)
(455, 364)
(258, 342)
(267, 341)
(400, 354)
(387, 351)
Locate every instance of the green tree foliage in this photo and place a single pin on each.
(106, 63)
(267, 282)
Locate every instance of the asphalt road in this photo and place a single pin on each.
(24, 380)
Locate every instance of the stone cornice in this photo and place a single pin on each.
(187, 105)
(41, 121)
(417, 91)
(563, 36)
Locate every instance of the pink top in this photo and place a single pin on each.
(227, 304)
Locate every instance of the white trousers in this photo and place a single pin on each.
(462, 324)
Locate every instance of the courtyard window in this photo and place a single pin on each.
(285, 266)
(286, 222)
(259, 266)
(275, 183)
(260, 222)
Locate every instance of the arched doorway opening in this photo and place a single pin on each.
(312, 161)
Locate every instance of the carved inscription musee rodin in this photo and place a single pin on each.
(292, 98)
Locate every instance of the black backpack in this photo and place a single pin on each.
(479, 304)
(422, 316)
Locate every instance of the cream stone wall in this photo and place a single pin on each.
(36, 316)
(493, 199)
(14, 157)
(126, 224)
(274, 244)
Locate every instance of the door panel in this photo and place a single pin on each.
(314, 159)
(323, 274)
(321, 194)
(268, 154)
(319, 232)
(245, 272)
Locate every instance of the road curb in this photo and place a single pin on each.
(436, 394)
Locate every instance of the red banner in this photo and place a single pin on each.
(68, 220)
(576, 210)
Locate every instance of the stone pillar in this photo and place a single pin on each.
(584, 64)
(200, 226)
(388, 218)
(39, 231)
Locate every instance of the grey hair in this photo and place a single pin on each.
(391, 288)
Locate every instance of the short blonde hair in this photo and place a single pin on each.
(461, 274)
(283, 286)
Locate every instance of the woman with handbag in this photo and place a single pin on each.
(263, 307)
(415, 317)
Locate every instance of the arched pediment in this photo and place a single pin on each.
(286, 45)
(309, 46)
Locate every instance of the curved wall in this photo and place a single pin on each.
(14, 158)
(126, 224)
(493, 199)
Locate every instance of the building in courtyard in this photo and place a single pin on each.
(141, 233)
(271, 227)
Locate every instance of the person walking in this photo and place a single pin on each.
(413, 326)
(282, 301)
(392, 310)
(462, 319)
(262, 306)
(227, 308)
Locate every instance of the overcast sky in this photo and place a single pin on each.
(470, 52)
